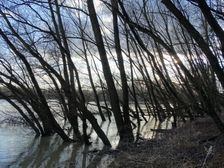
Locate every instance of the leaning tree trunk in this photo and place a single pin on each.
(124, 84)
(106, 70)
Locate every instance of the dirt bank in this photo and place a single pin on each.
(194, 145)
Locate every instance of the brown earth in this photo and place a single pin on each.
(196, 144)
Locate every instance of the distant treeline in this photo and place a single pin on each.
(89, 94)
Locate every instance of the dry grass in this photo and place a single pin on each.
(185, 147)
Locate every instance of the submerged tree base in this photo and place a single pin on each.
(195, 144)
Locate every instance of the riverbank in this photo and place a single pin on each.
(194, 145)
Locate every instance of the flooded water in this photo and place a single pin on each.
(19, 147)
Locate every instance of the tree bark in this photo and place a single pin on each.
(106, 70)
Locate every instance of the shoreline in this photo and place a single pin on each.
(194, 144)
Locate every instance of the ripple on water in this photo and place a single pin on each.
(13, 141)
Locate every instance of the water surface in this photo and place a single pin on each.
(20, 148)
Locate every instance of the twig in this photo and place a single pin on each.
(208, 153)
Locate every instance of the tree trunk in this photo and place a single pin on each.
(106, 70)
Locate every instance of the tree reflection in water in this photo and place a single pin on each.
(52, 152)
